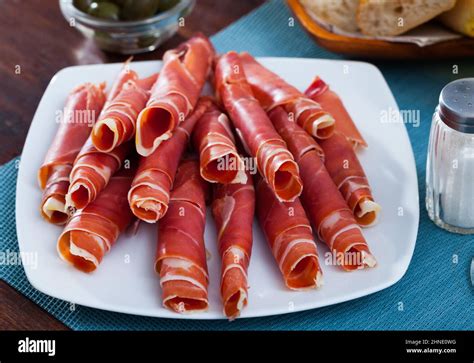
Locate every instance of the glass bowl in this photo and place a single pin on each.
(128, 37)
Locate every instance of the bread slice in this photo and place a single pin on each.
(461, 17)
(340, 13)
(394, 17)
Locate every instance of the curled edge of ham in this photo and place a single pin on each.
(148, 199)
(274, 161)
(53, 175)
(107, 132)
(367, 213)
(53, 205)
(83, 187)
(184, 294)
(182, 267)
(92, 231)
(354, 188)
(236, 300)
(314, 118)
(233, 209)
(336, 226)
(305, 271)
(216, 144)
(162, 114)
(357, 251)
(320, 91)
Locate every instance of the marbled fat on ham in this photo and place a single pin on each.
(333, 220)
(117, 122)
(233, 209)
(92, 171)
(290, 237)
(174, 95)
(275, 163)
(349, 176)
(273, 91)
(220, 161)
(150, 192)
(343, 164)
(92, 231)
(82, 108)
(181, 256)
(320, 92)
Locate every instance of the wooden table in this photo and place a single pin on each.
(35, 39)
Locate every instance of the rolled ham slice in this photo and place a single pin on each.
(320, 92)
(92, 171)
(333, 220)
(116, 124)
(275, 163)
(174, 95)
(233, 208)
(150, 192)
(82, 108)
(125, 75)
(220, 161)
(181, 258)
(92, 231)
(349, 176)
(272, 91)
(289, 235)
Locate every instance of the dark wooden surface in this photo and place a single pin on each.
(35, 37)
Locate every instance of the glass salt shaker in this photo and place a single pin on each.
(450, 161)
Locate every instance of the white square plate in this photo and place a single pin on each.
(125, 281)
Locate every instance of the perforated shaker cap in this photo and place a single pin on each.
(456, 105)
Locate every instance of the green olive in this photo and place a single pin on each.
(138, 9)
(104, 10)
(82, 5)
(167, 4)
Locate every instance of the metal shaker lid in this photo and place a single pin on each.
(456, 105)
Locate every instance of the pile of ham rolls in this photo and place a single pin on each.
(155, 150)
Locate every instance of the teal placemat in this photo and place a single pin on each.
(435, 293)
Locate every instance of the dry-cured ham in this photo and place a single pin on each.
(273, 91)
(82, 107)
(320, 92)
(233, 208)
(333, 220)
(117, 122)
(153, 149)
(181, 257)
(92, 231)
(92, 171)
(220, 161)
(289, 235)
(125, 75)
(349, 176)
(174, 95)
(255, 130)
(150, 192)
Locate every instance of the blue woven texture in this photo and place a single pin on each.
(435, 293)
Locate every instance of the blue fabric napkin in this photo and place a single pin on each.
(435, 293)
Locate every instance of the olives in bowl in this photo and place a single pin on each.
(126, 26)
(126, 10)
